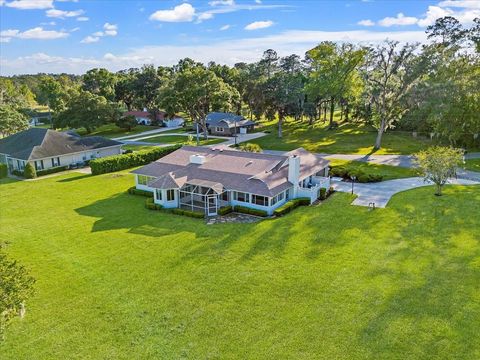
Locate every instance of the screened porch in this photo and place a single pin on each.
(203, 196)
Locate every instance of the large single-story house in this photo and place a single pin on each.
(204, 179)
(46, 148)
(227, 124)
(145, 118)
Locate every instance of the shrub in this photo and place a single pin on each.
(29, 172)
(3, 171)
(250, 147)
(225, 210)
(290, 205)
(193, 214)
(17, 173)
(125, 161)
(149, 204)
(51, 170)
(250, 211)
(368, 178)
(338, 171)
(135, 191)
(331, 190)
(322, 193)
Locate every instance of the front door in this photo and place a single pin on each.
(212, 205)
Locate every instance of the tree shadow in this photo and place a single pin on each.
(75, 178)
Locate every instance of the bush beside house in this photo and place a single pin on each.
(3, 171)
(290, 205)
(29, 172)
(360, 176)
(125, 161)
(250, 211)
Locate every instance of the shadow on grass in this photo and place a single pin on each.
(75, 178)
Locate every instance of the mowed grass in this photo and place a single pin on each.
(346, 139)
(472, 164)
(112, 130)
(335, 281)
(388, 172)
(138, 147)
(181, 139)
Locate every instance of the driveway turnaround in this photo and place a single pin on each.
(380, 193)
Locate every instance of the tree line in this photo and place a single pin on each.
(432, 88)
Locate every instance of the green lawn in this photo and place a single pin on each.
(179, 139)
(138, 147)
(473, 164)
(346, 139)
(388, 172)
(117, 281)
(112, 130)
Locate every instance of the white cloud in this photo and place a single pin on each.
(258, 1)
(37, 33)
(225, 27)
(222, 3)
(204, 16)
(400, 20)
(180, 13)
(367, 22)
(108, 30)
(90, 39)
(75, 29)
(55, 13)
(223, 52)
(468, 4)
(82, 18)
(30, 4)
(259, 25)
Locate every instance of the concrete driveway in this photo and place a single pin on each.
(381, 192)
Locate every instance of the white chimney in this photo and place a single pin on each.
(197, 159)
(294, 169)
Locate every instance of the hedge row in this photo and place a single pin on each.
(134, 191)
(3, 171)
(51, 170)
(188, 213)
(247, 210)
(121, 162)
(290, 205)
(361, 177)
(149, 204)
(225, 210)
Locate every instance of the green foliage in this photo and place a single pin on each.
(250, 147)
(127, 122)
(322, 194)
(134, 191)
(16, 287)
(290, 205)
(29, 172)
(224, 210)
(150, 204)
(438, 164)
(3, 171)
(52, 170)
(193, 214)
(250, 211)
(120, 162)
(11, 120)
(100, 82)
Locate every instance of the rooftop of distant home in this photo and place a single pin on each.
(39, 143)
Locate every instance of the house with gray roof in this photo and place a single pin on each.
(205, 179)
(228, 124)
(46, 148)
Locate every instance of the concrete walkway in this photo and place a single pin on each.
(381, 192)
(392, 160)
(241, 138)
(149, 132)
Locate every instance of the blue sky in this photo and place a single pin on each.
(75, 35)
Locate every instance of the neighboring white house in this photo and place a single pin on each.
(145, 118)
(46, 148)
(205, 179)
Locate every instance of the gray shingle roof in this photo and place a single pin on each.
(38, 143)
(257, 173)
(229, 119)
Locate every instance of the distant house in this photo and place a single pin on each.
(204, 179)
(145, 118)
(39, 118)
(46, 148)
(228, 124)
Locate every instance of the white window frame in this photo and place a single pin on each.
(247, 196)
(144, 179)
(159, 194)
(170, 195)
(219, 129)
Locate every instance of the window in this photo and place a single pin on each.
(39, 165)
(55, 161)
(20, 165)
(260, 200)
(242, 197)
(278, 198)
(224, 196)
(170, 195)
(84, 157)
(159, 194)
(143, 179)
(219, 129)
